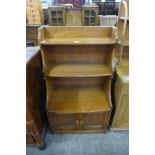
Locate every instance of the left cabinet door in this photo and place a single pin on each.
(63, 122)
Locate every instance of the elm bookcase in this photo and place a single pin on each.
(77, 67)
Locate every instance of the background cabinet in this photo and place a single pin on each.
(35, 99)
(34, 12)
(121, 117)
(90, 15)
(57, 15)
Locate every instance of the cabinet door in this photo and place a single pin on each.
(123, 113)
(63, 122)
(94, 121)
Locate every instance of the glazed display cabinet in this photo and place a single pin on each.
(57, 15)
(90, 15)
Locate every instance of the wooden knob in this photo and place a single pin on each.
(81, 122)
(77, 122)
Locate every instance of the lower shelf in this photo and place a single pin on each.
(77, 100)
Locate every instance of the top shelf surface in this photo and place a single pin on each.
(82, 35)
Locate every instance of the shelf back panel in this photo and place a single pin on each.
(75, 54)
(77, 35)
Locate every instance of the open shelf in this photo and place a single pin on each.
(77, 35)
(78, 70)
(78, 95)
(78, 100)
(77, 61)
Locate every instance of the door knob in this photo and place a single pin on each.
(77, 122)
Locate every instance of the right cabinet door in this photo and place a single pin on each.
(94, 121)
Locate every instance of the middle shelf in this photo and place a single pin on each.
(78, 70)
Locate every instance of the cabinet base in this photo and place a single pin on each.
(78, 131)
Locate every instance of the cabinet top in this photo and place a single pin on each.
(81, 35)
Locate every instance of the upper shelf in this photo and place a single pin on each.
(82, 35)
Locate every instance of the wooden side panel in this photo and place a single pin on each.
(35, 99)
(121, 116)
(32, 92)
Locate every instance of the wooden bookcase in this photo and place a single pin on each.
(57, 15)
(34, 12)
(90, 15)
(77, 67)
